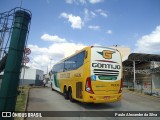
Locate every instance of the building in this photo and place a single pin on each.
(142, 73)
(125, 51)
(31, 76)
(28, 76)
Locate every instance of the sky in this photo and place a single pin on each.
(60, 27)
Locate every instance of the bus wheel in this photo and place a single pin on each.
(70, 95)
(65, 93)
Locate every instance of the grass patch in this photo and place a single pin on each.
(22, 100)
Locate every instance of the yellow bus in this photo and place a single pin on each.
(93, 74)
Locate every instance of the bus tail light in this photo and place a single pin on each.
(89, 86)
(120, 90)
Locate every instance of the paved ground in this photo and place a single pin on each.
(43, 99)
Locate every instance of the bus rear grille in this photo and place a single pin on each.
(101, 72)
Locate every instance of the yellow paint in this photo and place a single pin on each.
(103, 91)
(107, 54)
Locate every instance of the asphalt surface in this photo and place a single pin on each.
(43, 99)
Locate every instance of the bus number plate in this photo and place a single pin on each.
(106, 97)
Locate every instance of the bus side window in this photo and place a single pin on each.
(80, 59)
(61, 66)
(74, 62)
(54, 70)
(70, 64)
(66, 65)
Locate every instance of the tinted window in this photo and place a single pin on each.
(75, 62)
(80, 59)
(70, 64)
(54, 68)
(58, 67)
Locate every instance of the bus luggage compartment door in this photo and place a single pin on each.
(79, 90)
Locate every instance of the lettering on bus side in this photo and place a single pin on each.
(110, 66)
(77, 75)
(65, 75)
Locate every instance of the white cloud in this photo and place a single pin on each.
(76, 21)
(109, 32)
(99, 10)
(102, 12)
(94, 27)
(95, 1)
(65, 15)
(149, 43)
(93, 13)
(83, 1)
(70, 1)
(53, 38)
(43, 57)
(88, 15)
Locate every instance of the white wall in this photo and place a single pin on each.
(30, 74)
(156, 80)
(125, 52)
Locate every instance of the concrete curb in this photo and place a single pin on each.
(26, 103)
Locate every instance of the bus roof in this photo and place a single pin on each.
(82, 50)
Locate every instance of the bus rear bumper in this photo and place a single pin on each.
(92, 98)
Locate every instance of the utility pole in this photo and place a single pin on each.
(134, 75)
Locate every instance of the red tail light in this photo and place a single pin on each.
(89, 86)
(120, 90)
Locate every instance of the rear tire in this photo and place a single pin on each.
(65, 93)
(70, 95)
